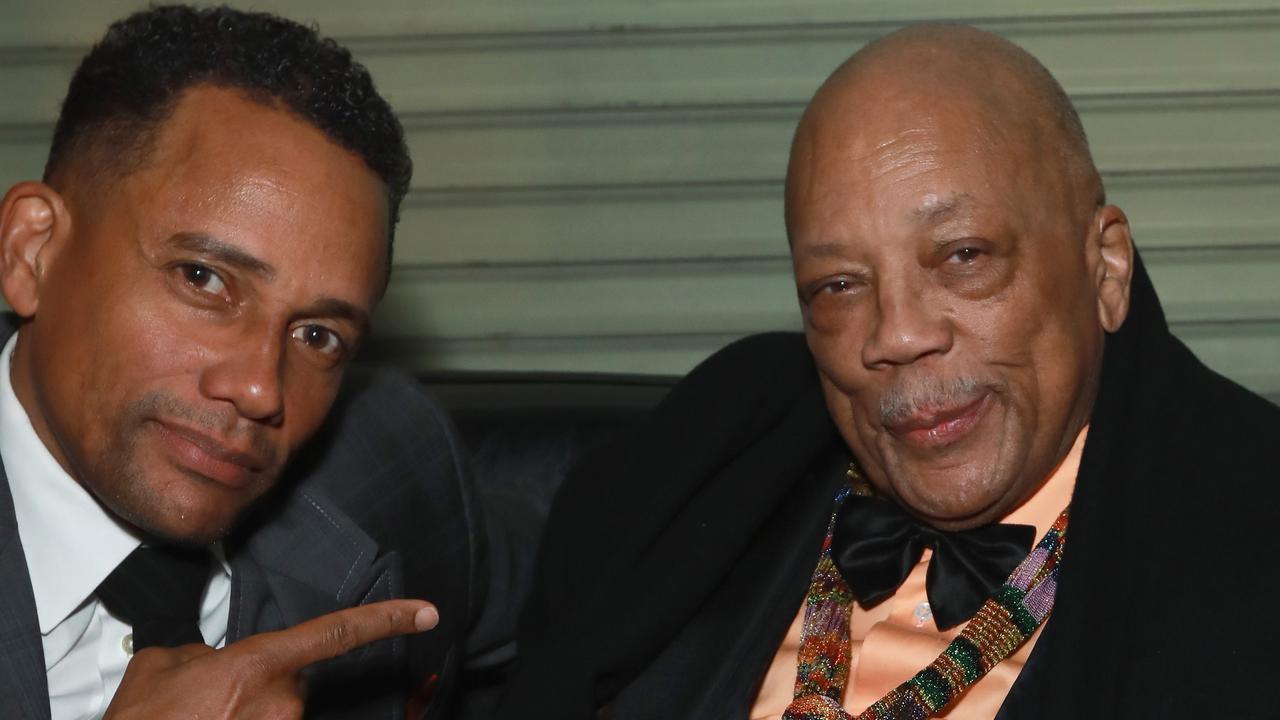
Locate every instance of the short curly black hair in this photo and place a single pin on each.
(130, 81)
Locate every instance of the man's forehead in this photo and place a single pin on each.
(221, 135)
(268, 185)
(214, 127)
(909, 156)
(873, 183)
(934, 208)
(857, 120)
(936, 93)
(930, 169)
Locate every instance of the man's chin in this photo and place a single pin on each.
(958, 485)
(957, 518)
(181, 513)
(183, 527)
(953, 496)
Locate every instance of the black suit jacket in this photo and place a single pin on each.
(376, 507)
(675, 560)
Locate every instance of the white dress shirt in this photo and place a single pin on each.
(71, 544)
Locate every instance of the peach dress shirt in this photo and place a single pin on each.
(894, 640)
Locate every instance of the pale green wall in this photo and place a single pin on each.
(598, 181)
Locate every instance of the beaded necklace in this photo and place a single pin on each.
(999, 628)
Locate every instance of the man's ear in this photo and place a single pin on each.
(34, 226)
(1113, 266)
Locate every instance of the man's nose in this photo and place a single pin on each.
(250, 377)
(907, 327)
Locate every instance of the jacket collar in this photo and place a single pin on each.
(304, 555)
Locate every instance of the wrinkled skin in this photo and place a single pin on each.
(956, 273)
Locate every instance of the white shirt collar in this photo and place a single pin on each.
(71, 542)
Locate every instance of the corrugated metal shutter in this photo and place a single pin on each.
(598, 182)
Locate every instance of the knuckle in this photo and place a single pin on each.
(340, 636)
(254, 666)
(394, 620)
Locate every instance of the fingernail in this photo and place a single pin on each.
(426, 618)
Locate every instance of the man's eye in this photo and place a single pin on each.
(837, 287)
(203, 278)
(967, 255)
(319, 338)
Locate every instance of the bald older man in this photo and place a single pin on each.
(987, 482)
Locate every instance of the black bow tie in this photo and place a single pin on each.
(875, 544)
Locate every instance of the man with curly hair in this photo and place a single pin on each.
(181, 529)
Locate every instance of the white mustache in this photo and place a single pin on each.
(909, 397)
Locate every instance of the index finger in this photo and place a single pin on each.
(338, 633)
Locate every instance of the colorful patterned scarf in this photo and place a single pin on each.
(999, 628)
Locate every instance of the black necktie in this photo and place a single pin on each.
(875, 544)
(157, 590)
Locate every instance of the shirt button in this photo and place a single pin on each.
(126, 644)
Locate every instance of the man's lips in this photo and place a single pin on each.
(209, 457)
(938, 428)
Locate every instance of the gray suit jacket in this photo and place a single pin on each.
(376, 507)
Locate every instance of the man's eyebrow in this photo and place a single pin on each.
(223, 252)
(335, 308)
(936, 209)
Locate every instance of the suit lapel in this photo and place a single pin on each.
(306, 559)
(24, 689)
(309, 558)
